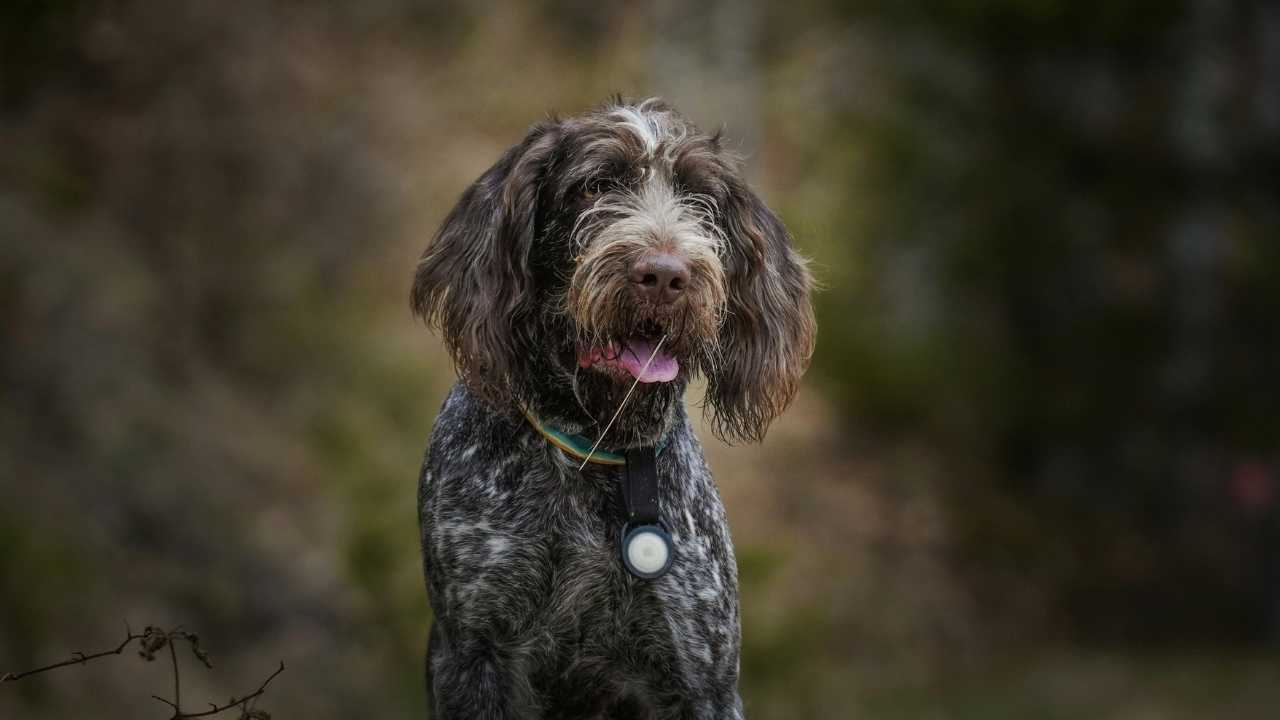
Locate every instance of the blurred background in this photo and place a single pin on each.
(1032, 474)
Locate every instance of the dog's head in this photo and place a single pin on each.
(619, 245)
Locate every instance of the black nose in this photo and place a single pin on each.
(660, 278)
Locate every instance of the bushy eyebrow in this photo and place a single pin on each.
(697, 168)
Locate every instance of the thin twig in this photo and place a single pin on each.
(79, 658)
(623, 404)
(153, 639)
(234, 702)
(177, 683)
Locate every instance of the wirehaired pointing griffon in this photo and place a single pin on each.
(576, 550)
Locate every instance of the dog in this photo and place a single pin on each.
(576, 550)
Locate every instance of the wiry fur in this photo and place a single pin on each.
(651, 217)
(535, 615)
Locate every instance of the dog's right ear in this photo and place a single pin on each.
(473, 281)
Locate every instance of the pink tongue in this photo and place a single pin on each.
(663, 367)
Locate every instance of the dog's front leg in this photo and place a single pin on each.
(473, 678)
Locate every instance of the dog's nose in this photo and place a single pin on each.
(660, 277)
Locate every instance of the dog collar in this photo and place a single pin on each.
(579, 446)
(647, 548)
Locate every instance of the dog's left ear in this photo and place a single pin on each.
(473, 281)
(768, 335)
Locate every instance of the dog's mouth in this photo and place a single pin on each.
(633, 358)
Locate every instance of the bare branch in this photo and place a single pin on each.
(234, 702)
(151, 640)
(177, 682)
(77, 658)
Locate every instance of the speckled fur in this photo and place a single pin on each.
(535, 615)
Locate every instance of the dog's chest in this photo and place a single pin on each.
(598, 615)
(581, 535)
(530, 549)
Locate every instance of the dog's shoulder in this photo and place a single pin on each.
(468, 432)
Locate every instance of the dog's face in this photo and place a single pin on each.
(614, 247)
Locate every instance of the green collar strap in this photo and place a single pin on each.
(579, 446)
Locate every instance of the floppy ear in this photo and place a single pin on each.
(473, 281)
(767, 337)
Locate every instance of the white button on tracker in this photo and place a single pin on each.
(646, 549)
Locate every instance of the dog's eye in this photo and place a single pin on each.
(592, 190)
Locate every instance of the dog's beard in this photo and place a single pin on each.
(638, 367)
(616, 331)
(620, 342)
(620, 337)
(640, 411)
(600, 361)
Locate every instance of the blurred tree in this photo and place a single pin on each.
(1066, 287)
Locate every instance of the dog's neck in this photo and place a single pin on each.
(647, 419)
